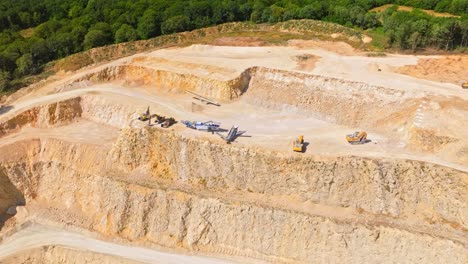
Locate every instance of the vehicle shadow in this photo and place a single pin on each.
(220, 130)
(306, 144)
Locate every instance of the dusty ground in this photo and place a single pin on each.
(86, 249)
(239, 41)
(277, 97)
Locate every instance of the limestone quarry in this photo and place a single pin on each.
(83, 179)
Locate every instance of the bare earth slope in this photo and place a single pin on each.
(449, 69)
(76, 162)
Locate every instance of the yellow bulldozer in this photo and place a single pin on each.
(298, 144)
(358, 137)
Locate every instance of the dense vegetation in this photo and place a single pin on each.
(36, 32)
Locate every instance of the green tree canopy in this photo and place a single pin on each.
(125, 33)
(95, 38)
(25, 64)
(150, 24)
(175, 24)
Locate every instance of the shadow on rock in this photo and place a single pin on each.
(5, 108)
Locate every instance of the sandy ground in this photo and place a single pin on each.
(450, 69)
(239, 41)
(82, 131)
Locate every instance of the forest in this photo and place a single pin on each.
(33, 33)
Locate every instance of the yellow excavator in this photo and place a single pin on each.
(298, 144)
(145, 116)
(358, 137)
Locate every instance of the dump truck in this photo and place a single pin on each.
(298, 144)
(358, 137)
(465, 85)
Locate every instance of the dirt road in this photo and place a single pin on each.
(37, 236)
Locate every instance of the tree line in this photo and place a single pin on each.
(64, 27)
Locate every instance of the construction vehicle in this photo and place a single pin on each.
(465, 85)
(164, 121)
(168, 122)
(232, 134)
(209, 126)
(298, 144)
(358, 137)
(159, 119)
(145, 116)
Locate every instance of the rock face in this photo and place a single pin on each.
(412, 116)
(170, 81)
(51, 115)
(196, 195)
(162, 188)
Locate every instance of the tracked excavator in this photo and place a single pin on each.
(298, 144)
(164, 121)
(358, 137)
(145, 116)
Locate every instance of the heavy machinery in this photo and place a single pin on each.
(209, 126)
(168, 122)
(358, 137)
(164, 121)
(159, 119)
(465, 85)
(232, 134)
(145, 116)
(298, 144)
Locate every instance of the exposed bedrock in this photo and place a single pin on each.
(170, 81)
(196, 195)
(159, 188)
